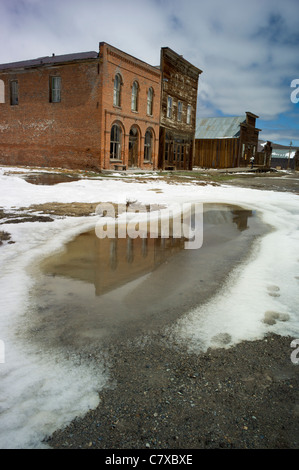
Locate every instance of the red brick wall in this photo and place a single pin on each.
(75, 133)
(114, 61)
(38, 132)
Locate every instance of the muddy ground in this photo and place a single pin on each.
(161, 396)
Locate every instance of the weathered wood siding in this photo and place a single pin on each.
(216, 153)
(177, 125)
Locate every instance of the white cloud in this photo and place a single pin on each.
(248, 51)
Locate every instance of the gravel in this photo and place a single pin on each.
(160, 396)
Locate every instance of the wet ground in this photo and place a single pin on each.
(97, 291)
(160, 396)
(269, 182)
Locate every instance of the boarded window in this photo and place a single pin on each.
(55, 83)
(2, 92)
(14, 92)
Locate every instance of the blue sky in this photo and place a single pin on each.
(248, 51)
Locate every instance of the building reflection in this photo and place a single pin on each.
(110, 263)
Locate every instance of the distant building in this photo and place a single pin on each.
(283, 158)
(91, 110)
(178, 111)
(226, 142)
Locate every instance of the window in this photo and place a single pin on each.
(2, 92)
(55, 84)
(169, 107)
(180, 110)
(116, 90)
(150, 95)
(148, 141)
(14, 92)
(189, 114)
(134, 102)
(115, 142)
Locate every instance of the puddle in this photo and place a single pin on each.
(97, 291)
(48, 179)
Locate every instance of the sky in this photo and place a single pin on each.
(248, 50)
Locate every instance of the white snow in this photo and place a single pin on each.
(39, 391)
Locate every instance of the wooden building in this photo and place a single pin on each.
(178, 111)
(226, 142)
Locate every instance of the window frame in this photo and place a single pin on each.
(169, 107)
(134, 96)
(148, 147)
(180, 111)
(55, 91)
(14, 92)
(189, 112)
(115, 142)
(117, 90)
(2, 91)
(150, 100)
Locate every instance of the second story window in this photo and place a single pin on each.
(14, 92)
(2, 92)
(116, 90)
(150, 95)
(55, 84)
(189, 114)
(134, 102)
(180, 109)
(169, 107)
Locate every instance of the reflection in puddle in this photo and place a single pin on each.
(48, 179)
(98, 289)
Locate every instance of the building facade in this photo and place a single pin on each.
(92, 111)
(226, 142)
(130, 110)
(179, 89)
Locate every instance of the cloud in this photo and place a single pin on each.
(248, 51)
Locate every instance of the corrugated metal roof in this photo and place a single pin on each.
(218, 127)
(54, 59)
(283, 153)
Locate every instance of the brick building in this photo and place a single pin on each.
(178, 111)
(91, 110)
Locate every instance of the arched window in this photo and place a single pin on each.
(148, 145)
(2, 92)
(116, 90)
(134, 102)
(115, 142)
(150, 95)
